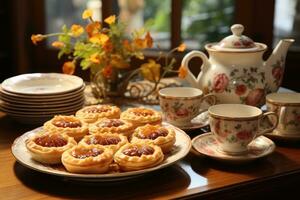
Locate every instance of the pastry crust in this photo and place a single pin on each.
(47, 147)
(109, 140)
(141, 116)
(70, 125)
(138, 162)
(91, 114)
(87, 159)
(112, 126)
(155, 134)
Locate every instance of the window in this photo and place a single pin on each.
(175, 21)
(287, 21)
(205, 21)
(202, 21)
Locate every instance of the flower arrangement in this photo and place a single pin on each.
(106, 50)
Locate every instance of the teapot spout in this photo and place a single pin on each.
(275, 65)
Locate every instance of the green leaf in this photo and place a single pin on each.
(60, 54)
(85, 64)
(64, 29)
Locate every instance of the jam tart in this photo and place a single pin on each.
(91, 114)
(141, 116)
(106, 125)
(155, 134)
(109, 140)
(87, 159)
(70, 125)
(138, 156)
(47, 147)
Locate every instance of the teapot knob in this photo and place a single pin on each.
(237, 29)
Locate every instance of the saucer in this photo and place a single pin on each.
(277, 136)
(206, 144)
(198, 122)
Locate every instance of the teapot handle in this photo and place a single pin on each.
(185, 61)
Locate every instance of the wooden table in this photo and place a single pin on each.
(274, 176)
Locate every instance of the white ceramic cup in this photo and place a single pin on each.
(181, 104)
(287, 107)
(236, 125)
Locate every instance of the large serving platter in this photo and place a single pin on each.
(179, 151)
(42, 83)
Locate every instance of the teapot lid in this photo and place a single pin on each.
(237, 41)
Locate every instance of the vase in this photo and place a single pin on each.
(113, 87)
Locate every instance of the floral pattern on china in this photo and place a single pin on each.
(235, 71)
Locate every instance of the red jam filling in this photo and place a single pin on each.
(51, 141)
(85, 153)
(153, 134)
(103, 140)
(96, 109)
(111, 123)
(138, 151)
(67, 124)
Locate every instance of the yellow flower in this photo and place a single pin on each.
(93, 28)
(181, 47)
(58, 44)
(76, 30)
(99, 39)
(110, 20)
(87, 14)
(95, 58)
(68, 67)
(182, 72)
(37, 38)
(151, 70)
(118, 62)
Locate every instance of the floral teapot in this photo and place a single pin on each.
(235, 70)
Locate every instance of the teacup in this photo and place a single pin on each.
(236, 125)
(181, 104)
(287, 107)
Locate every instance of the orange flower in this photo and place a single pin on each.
(118, 62)
(182, 72)
(95, 58)
(68, 67)
(37, 38)
(107, 71)
(181, 47)
(127, 45)
(110, 20)
(93, 28)
(140, 43)
(58, 44)
(87, 14)
(99, 39)
(149, 40)
(108, 46)
(76, 30)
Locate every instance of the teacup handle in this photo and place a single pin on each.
(282, 118)
(268, 129)
(212, 99)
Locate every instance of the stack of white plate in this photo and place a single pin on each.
(36, 98)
